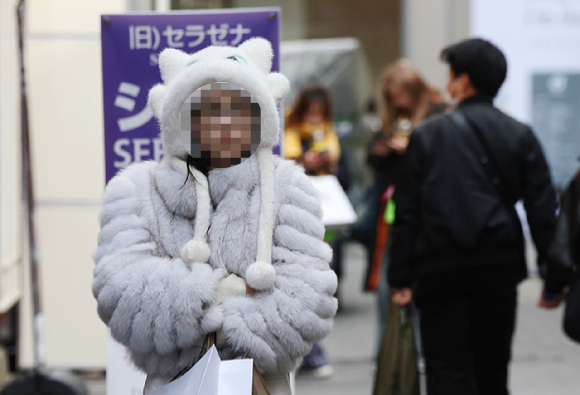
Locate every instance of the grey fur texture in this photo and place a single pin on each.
(162, 308)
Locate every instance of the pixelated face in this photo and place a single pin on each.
(221, 124)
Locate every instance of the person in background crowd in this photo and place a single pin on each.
(564, 261)
(457, 237)
(309, 137)
(310, 140)
(404, 101)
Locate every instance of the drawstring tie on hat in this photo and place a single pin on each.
(260, 275)
(197, 250)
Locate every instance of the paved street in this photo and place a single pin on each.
(544, 361)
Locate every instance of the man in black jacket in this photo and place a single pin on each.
(457, 237)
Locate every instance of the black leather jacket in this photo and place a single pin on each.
(450, 215)
(564, 252)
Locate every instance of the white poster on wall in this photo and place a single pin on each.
(541, 40)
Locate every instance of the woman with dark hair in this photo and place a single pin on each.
(309, 137)
(310, 140)
(221, 241)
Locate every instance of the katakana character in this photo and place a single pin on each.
(174, 36)
(218, 35)
(239, 31)
(195, 31)
(126, 103)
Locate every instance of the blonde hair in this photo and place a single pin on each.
(403, 73)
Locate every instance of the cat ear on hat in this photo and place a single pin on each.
(259, 51)
(171, 62)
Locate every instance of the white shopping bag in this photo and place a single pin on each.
(336, 208)
(236, 377)
(123, 378)
(211, 376)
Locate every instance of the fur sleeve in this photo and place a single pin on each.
(153, 304)
(278, 327)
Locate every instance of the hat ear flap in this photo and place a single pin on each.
(279, 86)
(155, 99)
(171, 62)
(259, 51)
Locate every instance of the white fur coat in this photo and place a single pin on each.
(161, 308)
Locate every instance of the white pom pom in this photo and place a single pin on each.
(195, 251)
(260, 275)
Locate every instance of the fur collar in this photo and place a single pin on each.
(179, 195)
(243, 177)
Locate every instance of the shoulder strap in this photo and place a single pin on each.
(486, 157)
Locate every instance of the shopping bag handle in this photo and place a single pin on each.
(208, 342)
(258, 384)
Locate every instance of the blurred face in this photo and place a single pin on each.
(452, 85)
(220, 124)
(459, 86)
(314, 114)
(401, 97)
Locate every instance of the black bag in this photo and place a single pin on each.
(572, 310)
(397, 362)
(365, 229)
(494, 174)
(563, 257)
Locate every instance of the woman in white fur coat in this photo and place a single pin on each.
(238, 252)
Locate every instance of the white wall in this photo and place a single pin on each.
(10, 207)
(293, 15)
(63, 58)
(428, 27)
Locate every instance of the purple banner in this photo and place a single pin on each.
(131, 44)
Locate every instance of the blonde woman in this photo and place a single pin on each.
(404, 100)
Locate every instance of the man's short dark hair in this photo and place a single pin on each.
(483, 62)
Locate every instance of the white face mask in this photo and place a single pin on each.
(451, 101)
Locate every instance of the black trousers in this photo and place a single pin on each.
(467, 325)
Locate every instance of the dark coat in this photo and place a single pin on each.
(449, 213)
(564, 258)
(564, 252)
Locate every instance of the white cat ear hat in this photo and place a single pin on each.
(182, 74)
